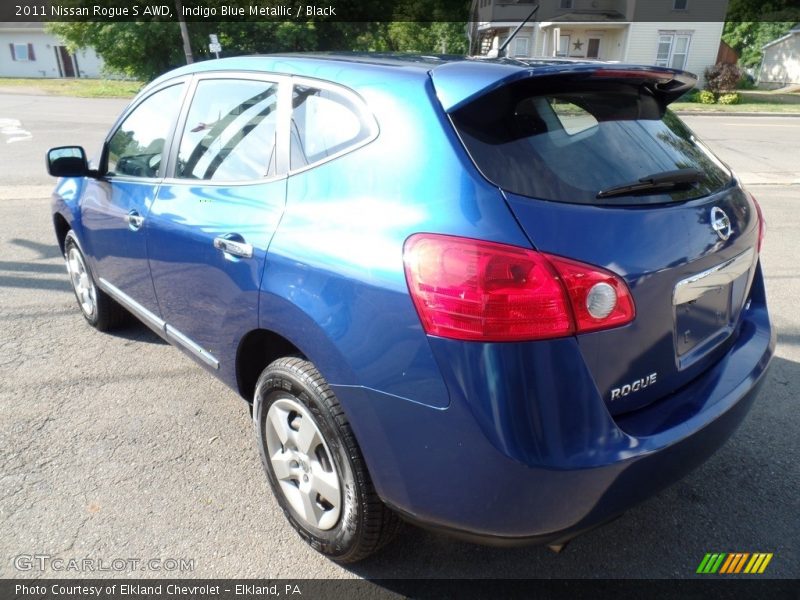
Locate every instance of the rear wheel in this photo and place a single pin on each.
(98, 308)
(314, 465)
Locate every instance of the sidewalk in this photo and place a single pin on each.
(768, 178)
(720, 113)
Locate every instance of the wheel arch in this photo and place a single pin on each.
(257, 349)
(62, 227)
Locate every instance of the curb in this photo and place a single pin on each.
(719, 113)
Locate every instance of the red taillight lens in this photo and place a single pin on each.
(762, 224)
(474, 290)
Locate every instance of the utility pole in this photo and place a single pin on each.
(187, 46)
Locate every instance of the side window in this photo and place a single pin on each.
(230, 131)
(136, 148)
(324, 123)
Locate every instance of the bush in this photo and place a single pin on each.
(729, 99)
(693, 96)
(707, 97)
(746, 82)
(722, 78)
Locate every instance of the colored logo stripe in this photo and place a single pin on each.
(758, 563)
(711, 563)
(734, 562)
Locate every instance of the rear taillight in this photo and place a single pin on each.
(762, 224)
(599, 298)
(474, 290)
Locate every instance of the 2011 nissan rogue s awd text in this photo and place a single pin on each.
(499, 298)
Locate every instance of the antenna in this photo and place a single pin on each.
(501, 49)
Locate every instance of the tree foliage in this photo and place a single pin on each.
(752, 23)
(748, 37)
(138, 50)
(144, 50)
(762, 10)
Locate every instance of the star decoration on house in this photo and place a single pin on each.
(577, 45)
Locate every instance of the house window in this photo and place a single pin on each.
(673, 50)
(521, 46)
(22, 52)
(680, 4)
(563, 45)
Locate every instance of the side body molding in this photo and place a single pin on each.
(158, 325)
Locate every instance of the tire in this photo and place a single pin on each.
(304, 465)
(97, 307)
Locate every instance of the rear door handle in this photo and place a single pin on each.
(134, 220)
(233, 247)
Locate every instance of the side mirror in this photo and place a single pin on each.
(67, 161)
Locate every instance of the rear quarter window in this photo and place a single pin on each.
(326, 123)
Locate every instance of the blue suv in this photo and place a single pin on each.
(503, 299)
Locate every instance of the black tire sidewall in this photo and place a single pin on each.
(281, 382)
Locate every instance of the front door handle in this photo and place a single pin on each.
(234, 248)
(134, 220)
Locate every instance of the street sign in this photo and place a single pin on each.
(213, 38)
(215, 47)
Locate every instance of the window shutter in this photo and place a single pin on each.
(13, 53)
(31, 55)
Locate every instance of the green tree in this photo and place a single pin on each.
(762, 10)
(444, 38)
(145, 50)
(138, 50)
(752, 23)
(747, 38)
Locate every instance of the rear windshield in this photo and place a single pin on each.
(570, 143)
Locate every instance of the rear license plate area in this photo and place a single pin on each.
(707, 305)
(701, 319)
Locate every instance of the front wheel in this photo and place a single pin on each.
(314, 465)
(98, 308)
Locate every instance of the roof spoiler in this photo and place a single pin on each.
(459, 83)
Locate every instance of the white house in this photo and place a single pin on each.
(27, 50)
(681, 34)
(781, 63)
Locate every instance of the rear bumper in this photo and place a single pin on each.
(526, 450)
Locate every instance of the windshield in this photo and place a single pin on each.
(573, 142)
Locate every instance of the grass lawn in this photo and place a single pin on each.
(754, 107)
(751, 101)
(80, 88)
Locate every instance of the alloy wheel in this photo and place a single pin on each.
(302, 463)
(81, 282)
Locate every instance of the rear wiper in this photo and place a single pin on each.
(656, 181)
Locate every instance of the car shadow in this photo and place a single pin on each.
(40, 267)
(35, 283)
(743, 499)
(44, 251)
(44, 273)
